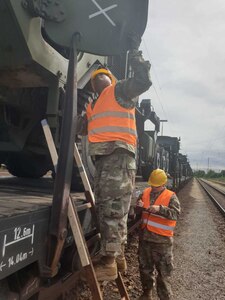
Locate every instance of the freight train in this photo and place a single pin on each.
(34, 55)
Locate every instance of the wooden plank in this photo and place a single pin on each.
(9, 212)
(41, 202)
(26, 191)
(83, 206)
(93, 283)
(50, 141)
(82, 172)
(80, 243)
(19, 205)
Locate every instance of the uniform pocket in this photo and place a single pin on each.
(130, 163)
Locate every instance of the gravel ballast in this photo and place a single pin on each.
(199, 252)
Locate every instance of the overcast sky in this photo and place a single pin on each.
(185, 43)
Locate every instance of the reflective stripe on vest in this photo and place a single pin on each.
(157, 225)
(153, 222)
(112, 114)
(108, 121)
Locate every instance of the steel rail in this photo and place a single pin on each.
(218, 182)
(215, 188)
(214, 200)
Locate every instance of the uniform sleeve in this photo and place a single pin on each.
(127, 91)
(173, 210)
(138, 210)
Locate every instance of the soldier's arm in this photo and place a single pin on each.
(127, 91)
(173, 210)
(139, 204)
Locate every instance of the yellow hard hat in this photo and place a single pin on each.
(103, 71)
(157, 178)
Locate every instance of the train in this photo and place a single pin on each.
(34, 52)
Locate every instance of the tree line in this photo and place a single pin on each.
(210, 174)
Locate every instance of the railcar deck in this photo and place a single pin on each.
(19, 196)
(25, 208)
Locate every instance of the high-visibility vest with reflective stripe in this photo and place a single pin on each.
(156, 223)
(108, 121)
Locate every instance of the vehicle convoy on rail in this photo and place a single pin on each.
(35, 48)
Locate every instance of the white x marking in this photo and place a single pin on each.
(103, 11)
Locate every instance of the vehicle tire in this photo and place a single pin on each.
(5, 292)
(27, 165)
(76, 181)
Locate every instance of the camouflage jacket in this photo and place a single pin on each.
(126, 93)
(171, 212)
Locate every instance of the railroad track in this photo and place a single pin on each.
(218, 182)
(216, 194)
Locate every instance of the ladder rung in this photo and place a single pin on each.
(83, 206)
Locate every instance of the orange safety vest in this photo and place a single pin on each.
(108, 121)
(156, 223)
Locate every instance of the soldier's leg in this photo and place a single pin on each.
(164, 266)
(122, 231)
(146, 265)
(105, 266)
(115, 183)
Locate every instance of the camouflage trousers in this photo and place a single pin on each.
(113, 187)
(156, 261)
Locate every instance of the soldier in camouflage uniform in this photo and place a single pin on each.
(160, 209)
(115, 157)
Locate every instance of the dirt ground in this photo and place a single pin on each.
(199, 253)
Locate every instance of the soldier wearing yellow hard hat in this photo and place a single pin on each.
(160, 209)
(102, 71)
(157, 178)
(112, 137)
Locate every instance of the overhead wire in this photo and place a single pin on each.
(170, 120)
(170, 123)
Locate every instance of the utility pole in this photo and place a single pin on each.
(162, 121)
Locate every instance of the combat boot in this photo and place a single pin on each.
(121, 264)
(147, 295)
(106, 269)
(121, 261)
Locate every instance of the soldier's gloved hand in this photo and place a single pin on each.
(139, 207)
(154, 208)
(140, 203)
(134, 41)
